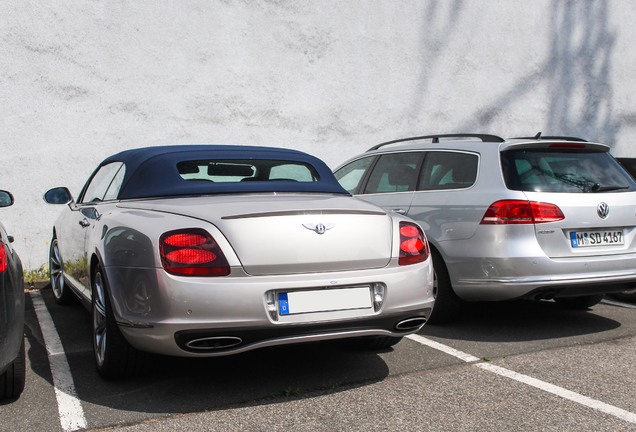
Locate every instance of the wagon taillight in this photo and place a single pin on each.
(508, 212)
(192, 252)
(413, 244)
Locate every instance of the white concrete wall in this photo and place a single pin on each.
(80, 80)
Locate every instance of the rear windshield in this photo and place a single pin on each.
(564, 171)
(233, 171)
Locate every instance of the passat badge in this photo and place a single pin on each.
(319, 228)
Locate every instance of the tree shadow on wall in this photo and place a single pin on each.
(575, 74)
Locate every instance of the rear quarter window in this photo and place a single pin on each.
(448, 170)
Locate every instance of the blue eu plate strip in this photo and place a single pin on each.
(283, 304)
(575, 243)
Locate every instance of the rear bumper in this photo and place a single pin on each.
(174, 340)
(181, 316)
(251, 338)
(485, 279)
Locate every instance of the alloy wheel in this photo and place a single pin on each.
(55, 270)
(100, 334)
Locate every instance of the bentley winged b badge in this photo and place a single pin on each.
(319, 228)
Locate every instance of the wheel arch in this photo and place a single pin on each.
(437, 250)
(96, 262)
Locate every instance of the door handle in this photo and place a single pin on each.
(84, 223)
(398, 211)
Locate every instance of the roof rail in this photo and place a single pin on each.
(435, 138)
(552, 137)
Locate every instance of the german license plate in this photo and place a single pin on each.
(297, 302)
(596, 238)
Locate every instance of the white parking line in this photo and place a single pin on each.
(619, 303)
(69, 407)
(541, 385)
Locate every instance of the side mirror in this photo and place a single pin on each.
(6, 199)
(58, 195)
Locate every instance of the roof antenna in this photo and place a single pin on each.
(538, 136)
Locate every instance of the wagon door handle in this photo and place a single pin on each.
(84, 223)
(399, 211)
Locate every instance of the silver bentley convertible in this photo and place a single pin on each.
(206, 250)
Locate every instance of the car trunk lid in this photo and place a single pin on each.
(293, 233)
(593, 224)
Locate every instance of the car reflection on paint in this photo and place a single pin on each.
(215, 250)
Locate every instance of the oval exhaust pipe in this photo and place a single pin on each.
(213, 343)
(410, 323)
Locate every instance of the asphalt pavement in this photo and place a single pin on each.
(504, 366)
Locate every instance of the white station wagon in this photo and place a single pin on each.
(535, 218)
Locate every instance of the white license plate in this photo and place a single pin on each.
(596, 238)
(297, 302)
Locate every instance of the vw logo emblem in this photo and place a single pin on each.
(603, 210)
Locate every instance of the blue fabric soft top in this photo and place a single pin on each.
(152, 171)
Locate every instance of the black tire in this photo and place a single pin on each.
(447, 306)
(579, 303)
(13, 379)
(114, 356)
(62, 293)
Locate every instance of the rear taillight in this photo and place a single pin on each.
(521, 212)
(192, 252)
(413, 244)
(3, 258)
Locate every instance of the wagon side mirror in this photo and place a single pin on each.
(58, 195)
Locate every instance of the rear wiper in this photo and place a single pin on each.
(598, 188)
